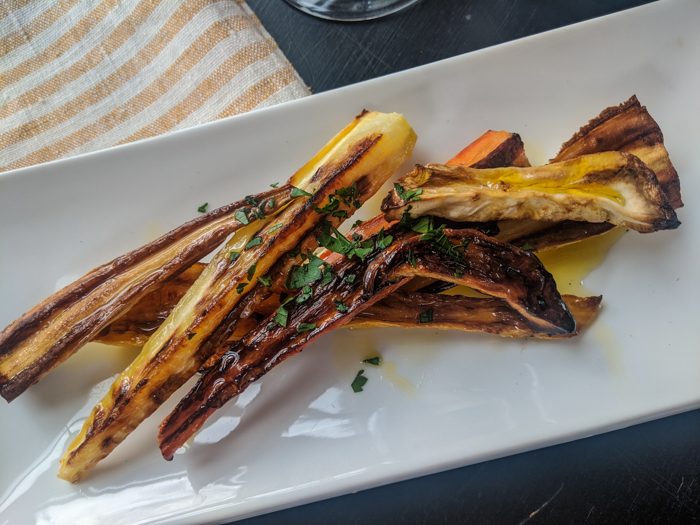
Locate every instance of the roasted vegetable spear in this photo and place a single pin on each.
(44, 337)
(356, 283)
(372, 147)
(604, 187)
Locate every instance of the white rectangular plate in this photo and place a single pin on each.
(301, 434)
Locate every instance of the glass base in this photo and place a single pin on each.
(350, 10)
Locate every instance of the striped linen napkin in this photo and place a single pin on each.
(79, 75)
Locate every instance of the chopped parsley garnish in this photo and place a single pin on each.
(295, 252)
(383, 240)
(232, 256)
(349, 195)
(328, 276)
(332, 205)
(423, 224)
(358, 382)
(271, 203)
(441, 242)
(340, 306)
(407, 196)
(306, 294)
(190, 336)
(426, 317)
(255, 241)
(282, 313)
(251, 271)
(274, 185)
(257, 214)
(458, 274)
(298, 192)
(305, 327)
(267, 281)
(241, 287)
(376, 361)
(300, 276)
(251, 200)
(242, 216)
(350, 278)
(411, 258)
(529, 247)
(357, 223)
(341, 214)
(340, 244)
(203, 208)
(275, 228)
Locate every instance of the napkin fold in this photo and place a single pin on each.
(78, 76)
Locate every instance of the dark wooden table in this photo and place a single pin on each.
(644, 474)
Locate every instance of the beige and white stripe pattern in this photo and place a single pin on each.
(82, 75)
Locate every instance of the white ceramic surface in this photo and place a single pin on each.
(301, 434)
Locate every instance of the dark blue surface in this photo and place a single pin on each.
(647, 474)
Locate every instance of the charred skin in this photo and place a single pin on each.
(471, 314)
(44, 337)
(488, 266)
(491, 150)
(268, 345)
(605, 187)
(628, 128)
(496, 268)
(190, 335)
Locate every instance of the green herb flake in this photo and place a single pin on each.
(424, 224)
(251, 271)
(251, 200)
(426, 317)
(295, 252)
(359, 382)
(529, 247)
(300, 276)
(306, 294)
(357, 223)
(255, 241)
(203, 208)
(275, 228)
(341, 214)
(376, 361)
(282, 313)
(242, 216)
(298, 192)
(232, 256)
(411, 258)
(274, 185)
(266, 281)
(190, 336)
(441, 242)
(332, 205)
(383, 240)
(407, 196)
(458, 274)
(271, 203)
(340, 306)
(241, 287)
(305, 327)
(328, 276)
(350, 278)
